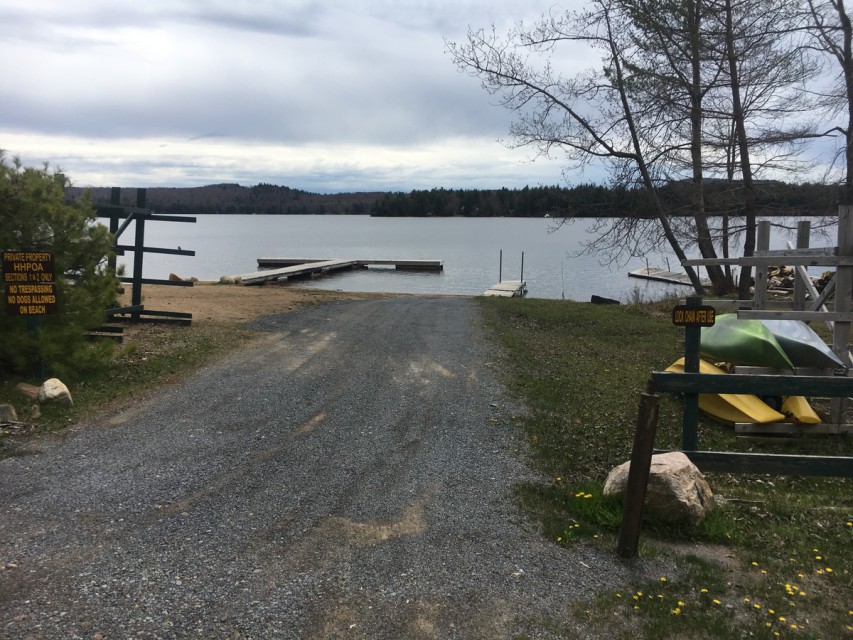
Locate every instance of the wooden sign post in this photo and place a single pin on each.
(692, 316)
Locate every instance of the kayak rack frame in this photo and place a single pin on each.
(691, 383)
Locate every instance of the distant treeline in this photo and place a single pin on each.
(774, 198)
(594, 201)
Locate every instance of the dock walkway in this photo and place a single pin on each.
(662, 275)
(270, 269)
(507, 289)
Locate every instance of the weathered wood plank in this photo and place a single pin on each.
(791, 252)
(821, 386)
(777, 464)
(794, 429)
(772, 261)
(805, 316)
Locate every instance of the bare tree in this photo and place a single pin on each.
(589, 116)
(833, 32)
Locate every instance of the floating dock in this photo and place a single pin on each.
(507, 289)
(271, 269)
(662, 275)
(414, 265)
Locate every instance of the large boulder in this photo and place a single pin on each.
(55, 391)
(677, 492)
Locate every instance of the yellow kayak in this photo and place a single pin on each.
(798, 410)
(730, 407)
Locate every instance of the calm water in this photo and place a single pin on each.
(469, 248)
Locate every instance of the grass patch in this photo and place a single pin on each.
(579, 369)
(152, 355)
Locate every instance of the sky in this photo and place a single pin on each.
(331, 96)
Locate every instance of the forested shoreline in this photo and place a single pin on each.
(587, 200)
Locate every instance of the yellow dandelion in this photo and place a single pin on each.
(764, 571)
(793, 626)
(746, 600)
(618, 595)
(801, 575)
(818, 557)
(802, 593)
(716, 601)
(636, 607)
(703, 590)
(849, 524)
(756, 606)
(676, 611)
(663, 578)
(680, 603)
(781, 618)
(771, 611)
(828, 570)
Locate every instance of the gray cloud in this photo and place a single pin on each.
(296, 79)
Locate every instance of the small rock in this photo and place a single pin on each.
(54, 390)
(29, 390)
(7, 413)
(676, 492)
(227, 280)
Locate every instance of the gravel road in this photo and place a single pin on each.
(350, 476)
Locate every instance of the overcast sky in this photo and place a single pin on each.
(339, 95)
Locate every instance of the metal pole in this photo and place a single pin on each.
(692, 337)
(522, 266)
(501, 266)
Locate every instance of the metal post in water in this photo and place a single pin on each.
(522, 266)
(500, 266)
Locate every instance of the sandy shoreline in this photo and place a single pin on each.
(209, 301)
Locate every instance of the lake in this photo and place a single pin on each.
(469, 248)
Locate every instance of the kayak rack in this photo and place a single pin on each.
(691, 383)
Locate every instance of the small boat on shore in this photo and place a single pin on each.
(730, 408)
(743, 342)
(802, 345)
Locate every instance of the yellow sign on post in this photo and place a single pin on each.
(29, 283)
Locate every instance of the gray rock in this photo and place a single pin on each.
(54, 390)
(7, 413)
(677, 491)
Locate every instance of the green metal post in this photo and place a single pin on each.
(690, 426)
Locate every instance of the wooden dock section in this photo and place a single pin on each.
(273, 269)
(412, 265)
(507, 289)
(310, 269)
(662, 275)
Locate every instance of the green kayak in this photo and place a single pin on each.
(743, 342)
(804, 347)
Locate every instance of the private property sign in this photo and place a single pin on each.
(29, 281)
